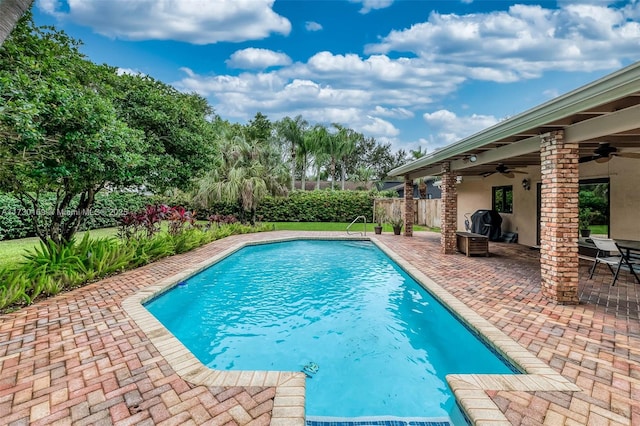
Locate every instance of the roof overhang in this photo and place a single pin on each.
(606, 110)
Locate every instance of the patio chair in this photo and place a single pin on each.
(610, 254)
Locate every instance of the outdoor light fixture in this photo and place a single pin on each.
(526, 184)
(473, 158)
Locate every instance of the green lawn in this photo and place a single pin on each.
(11, 251)
(599, 229)
(333, 226)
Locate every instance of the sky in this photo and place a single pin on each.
(418, 74)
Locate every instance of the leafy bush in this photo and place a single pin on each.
(15, 220)
(49, 269)
(318, 206)
(150, 249)
(13, 288)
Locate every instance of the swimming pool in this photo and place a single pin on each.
(376, 357)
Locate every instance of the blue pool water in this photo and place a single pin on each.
(374, 342)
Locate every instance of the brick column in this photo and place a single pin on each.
(408, 207)
(449, 220)
(559, 219)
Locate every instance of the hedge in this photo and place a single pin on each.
(299, 206)
(317, 206)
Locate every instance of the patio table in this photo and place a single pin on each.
(630, 251)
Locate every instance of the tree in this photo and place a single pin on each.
(259, 129)
(370, 154)
(305, 150)
(417, 153)
(349, 144)
(10, 13)
(333, 151)
(65, 135)
(422, 183)
(291, 132)
(244, 174)
(177, 131)
(318, 139)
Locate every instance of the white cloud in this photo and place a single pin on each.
(122, 71)
(415, 80)
(252, 58)
(191, 21)
(49, 6)
(523, 42)
(312, 26)
(446, 127)
(381, 111)
(372, 93)
(369, 5)
(378, 126)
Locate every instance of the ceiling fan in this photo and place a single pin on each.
(504, 171)
(605, 152)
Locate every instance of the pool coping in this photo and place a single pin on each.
(470, 390)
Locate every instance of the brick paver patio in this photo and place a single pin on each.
(79, 359)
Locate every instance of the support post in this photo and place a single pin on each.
(559, 260)
(449, 222)
(408, 207)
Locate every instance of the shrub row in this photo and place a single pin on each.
(15, 221)
(299, 206)
(318, 206)
(50, 269)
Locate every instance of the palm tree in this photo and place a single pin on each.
(417, 153)
(305, 149)
(291, 131)
(317, 139)
(245, 174)
(10, 12)
(347, 144)
(334, 147)
(364, 174)
(422, 183)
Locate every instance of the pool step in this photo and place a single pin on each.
(376, 421)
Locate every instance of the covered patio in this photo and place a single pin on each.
(591, 133)
(78, 358)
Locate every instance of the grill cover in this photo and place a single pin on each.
(487, 222)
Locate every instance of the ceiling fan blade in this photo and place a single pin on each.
(487, 174)
(604, 159)
(509, 174)
(587, 158)
(628, 154)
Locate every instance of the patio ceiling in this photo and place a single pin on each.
(606, 110)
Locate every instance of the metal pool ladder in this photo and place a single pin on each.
(364, 221)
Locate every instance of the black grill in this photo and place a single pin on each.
(487, 222)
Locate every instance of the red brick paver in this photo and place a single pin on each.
(595, 344)
(78, 358)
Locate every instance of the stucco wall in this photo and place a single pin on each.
(624, 187)
(474, 193)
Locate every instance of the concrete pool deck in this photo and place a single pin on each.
(80, 358)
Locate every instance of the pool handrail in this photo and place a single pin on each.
(364, 221)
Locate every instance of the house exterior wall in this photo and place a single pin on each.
(474, 193)
(624, 197)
